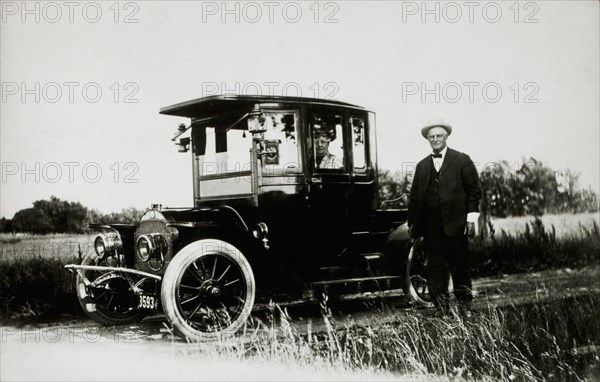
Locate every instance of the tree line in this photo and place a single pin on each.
(61, 216)
(531, 189)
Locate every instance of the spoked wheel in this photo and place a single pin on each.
(415, 281)
(109, 300)
(416, 286)
(208, 290)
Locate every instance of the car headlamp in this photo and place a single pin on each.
(108, 244)
(144, 247)
(152, 248)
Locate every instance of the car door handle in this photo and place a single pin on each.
(316, 182)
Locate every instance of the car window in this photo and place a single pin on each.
(225, 151)
(358, 144)
(222, 149)
(325, 126)
(281, 133)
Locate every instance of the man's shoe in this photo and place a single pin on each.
(442, 310)
(440, 314)
(466, 315)
(442, 305)
(464, 311)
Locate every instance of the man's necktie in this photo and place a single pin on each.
(436, 155)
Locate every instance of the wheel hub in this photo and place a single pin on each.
(214, 291)
(211, 288)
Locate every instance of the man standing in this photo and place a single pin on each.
(443, 208)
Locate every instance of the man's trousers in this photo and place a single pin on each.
(447, 253)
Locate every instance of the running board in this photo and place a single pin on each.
(391, 293)
(354, 280)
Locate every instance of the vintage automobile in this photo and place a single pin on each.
(285, 210)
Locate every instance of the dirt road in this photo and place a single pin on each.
(81, 349)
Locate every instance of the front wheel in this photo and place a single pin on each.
(108, 300)
(208, 290)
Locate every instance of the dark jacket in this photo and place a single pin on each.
(459, 192)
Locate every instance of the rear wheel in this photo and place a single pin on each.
(208, 290)
(415, 280)
(108, 300)
(416, 286)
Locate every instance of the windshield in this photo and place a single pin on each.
(226, 151)
(222, 149)
(223, 157)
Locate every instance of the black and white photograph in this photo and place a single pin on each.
(319, 190)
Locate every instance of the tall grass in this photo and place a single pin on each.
(535, 341)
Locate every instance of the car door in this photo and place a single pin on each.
(363, 197)
(328, 183)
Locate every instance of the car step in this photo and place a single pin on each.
(354, 280)
(374, 262)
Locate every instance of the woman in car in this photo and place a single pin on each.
(323, 134)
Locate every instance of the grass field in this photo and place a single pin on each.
(564, 224)
(24, 246)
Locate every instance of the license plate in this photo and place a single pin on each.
(148, 302)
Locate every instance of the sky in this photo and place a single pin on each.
(82, 84)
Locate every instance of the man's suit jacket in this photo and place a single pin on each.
(459, 192)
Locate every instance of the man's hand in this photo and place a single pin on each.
(470, 229)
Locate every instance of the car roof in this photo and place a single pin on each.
(218, 104)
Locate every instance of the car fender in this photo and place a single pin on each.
(262, 264)
(396, 248)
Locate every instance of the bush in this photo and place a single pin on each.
(37, 287)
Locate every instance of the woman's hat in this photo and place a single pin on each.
(326, 129)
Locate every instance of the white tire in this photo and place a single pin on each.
(208, 290)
